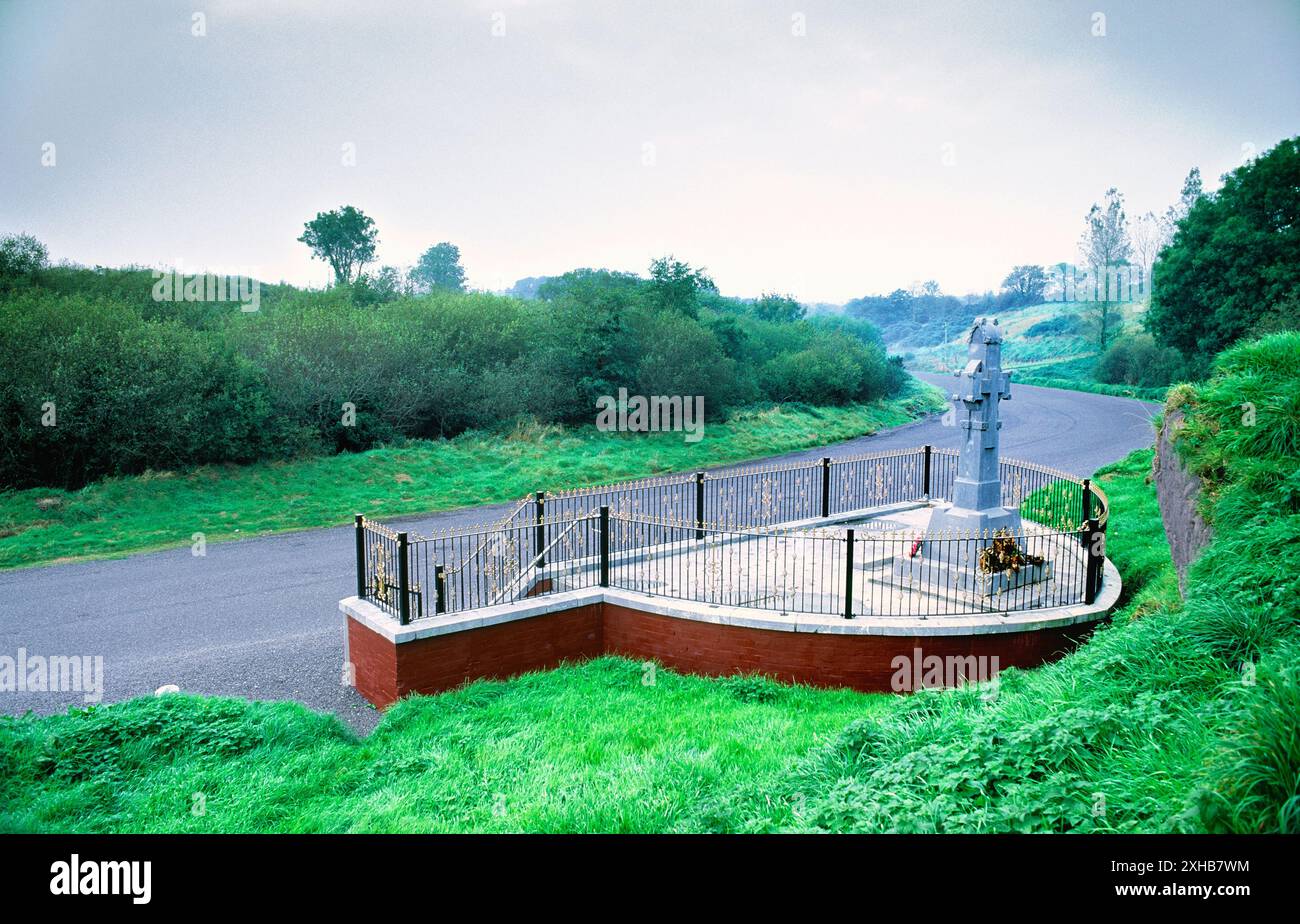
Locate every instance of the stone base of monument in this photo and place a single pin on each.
(963, 576)
(948, 561)
(957, 521)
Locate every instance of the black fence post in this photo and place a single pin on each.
(1095, 556)
(403, 581)
(925, 471)
(440, 589)
(699, 505)
(539, 539)
(361, 556)
(848, 575)
(1087, 499)
(604, 546)
(826, 487)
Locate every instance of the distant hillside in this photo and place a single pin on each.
(1036, 336)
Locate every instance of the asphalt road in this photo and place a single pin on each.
(259, 618)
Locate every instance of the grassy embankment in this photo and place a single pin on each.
(1178, 716)
(163, 509)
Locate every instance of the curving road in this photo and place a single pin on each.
(258, 618)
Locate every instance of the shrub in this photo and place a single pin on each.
(1231, 266)
(21, 255)
(1139, 361)
(679, 356)
(1061, 325)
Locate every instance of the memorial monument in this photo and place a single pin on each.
(977, 491)
(973, 539)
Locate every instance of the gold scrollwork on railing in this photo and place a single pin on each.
(382, 568)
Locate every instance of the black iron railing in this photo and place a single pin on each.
(852, 572)
(748, 537)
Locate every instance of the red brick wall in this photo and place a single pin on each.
(862, 662)
(444, 662)
(386, 672)
(374, 664)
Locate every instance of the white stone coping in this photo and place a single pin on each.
(382, 623)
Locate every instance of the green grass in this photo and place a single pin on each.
(1175, 717)
(584, 748)
(1147, 727)
(1077, 369)
(157, 510)
(1139, 392)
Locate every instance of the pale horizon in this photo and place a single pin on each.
(606, 136)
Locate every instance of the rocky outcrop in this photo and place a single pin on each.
(1178, 491)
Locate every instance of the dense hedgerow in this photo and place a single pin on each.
(141, 384)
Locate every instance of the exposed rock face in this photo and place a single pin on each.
(1178, 490)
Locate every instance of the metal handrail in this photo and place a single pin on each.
(490, 534)
(539, 557)
(1105, 505)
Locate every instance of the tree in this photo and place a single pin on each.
(21, 255)
(1061, 279)
(773, 307)
(527, 288)
(439, 268)
(1106, 249)
(1026, 283)
(900, 300)
(730, 335)
(675, 286)
(588, 285)
(345, 239)
(921, 295)
(1234, 262)
(384, 285)
(1191, 193)
(1148, 238)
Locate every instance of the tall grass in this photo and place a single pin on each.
(605, 746)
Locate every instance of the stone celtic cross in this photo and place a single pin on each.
(977, 490)
(983, 386)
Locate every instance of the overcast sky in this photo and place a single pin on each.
(890, 142)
